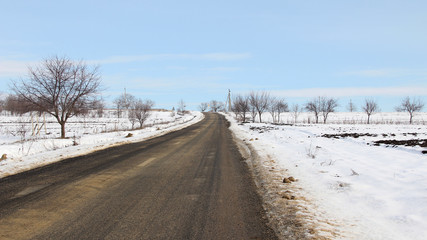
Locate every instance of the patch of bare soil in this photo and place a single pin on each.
(408, 143)
(389, 142)
(263, 129)
(345, 135)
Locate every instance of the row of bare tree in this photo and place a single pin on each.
(214, 106)
(138, 110)
(17, 105)
(256, 103)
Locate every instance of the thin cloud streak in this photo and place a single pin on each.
(150, 57)
(387, 72)
(347, 92)
(13, 68)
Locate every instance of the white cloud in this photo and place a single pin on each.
(222, 69)
(398, 72)
(147, 57)
(347, 92)
(13, 68)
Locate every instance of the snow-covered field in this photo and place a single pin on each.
(353, 118)
(25, 150)
(348, 186)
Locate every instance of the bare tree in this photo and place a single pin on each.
(276, 107)
(203, 106)
(351, 107)
(296, 110)
(216, 105)
(99, 106)
(410, 106)
(59, 86)
(140, 111)
(241, 106)
(260, 101)
(132, 111)
(272, 108)
(315, 106)
(370, 107)
(181, 107)
(2, 105)
(281, 107)
(18, 105)
(123, 102)
(328, 105)
(253, 112)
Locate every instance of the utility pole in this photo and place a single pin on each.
(228, 102)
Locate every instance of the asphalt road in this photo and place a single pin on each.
(189, 184)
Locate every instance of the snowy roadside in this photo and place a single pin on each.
(45, 151)
(344, 188)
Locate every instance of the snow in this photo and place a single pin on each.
(86, 134)
(354, 118)
(347, 188)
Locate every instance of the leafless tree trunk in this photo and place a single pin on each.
(281, 107)
(181, 107)
(2, 105)
(203, 106)
(236, 107)
(140, 110)
(370, 107)
(241, 106)
(315, 106)
(59, 86)
(99, 106)
(410, 106)
(260, 102)
(132, 117)
(118, 106)
(296, 110)
(328, 105)
(272, 108)
(216, 105)
(123, 102)
(276, 107)
(253, 113)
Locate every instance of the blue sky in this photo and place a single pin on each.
(197, 50)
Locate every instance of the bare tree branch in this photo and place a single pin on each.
(241, 106)
(59, 87)
(328, 105)
(315, 106)
(370, 107)
(410, 106)
(260, 102)
(140, 111)
(216, 105)
(203, 106)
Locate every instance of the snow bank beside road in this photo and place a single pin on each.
(23, 156)
(346, 189)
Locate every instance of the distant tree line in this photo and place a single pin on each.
(251, 106)
(214, 106)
